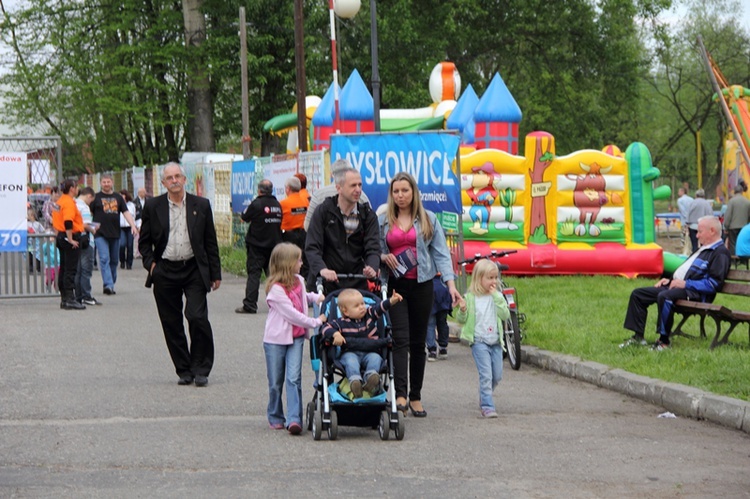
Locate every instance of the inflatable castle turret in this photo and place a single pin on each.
(356, 106)
(462, 116)
(322, 121)
(497, 117)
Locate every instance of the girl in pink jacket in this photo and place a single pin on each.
(287, 326)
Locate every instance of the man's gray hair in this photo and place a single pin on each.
(172, 163)
(294, 184)
(340, 176)
(712, 222)
(265, 187)
(700, 193)
(338, 165)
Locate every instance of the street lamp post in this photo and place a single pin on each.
(375, 74)
(345, 9)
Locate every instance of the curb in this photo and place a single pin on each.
(682, 400)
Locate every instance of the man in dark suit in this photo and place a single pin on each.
(179, 249)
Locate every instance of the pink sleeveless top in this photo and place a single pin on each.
(399, 241)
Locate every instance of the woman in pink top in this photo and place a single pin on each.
(287, 326)
(409, 233)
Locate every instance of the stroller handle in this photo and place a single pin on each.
(319, 280)
(378, 278)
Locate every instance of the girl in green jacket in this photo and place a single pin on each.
(483, 313)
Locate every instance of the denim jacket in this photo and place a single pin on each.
(432, 256)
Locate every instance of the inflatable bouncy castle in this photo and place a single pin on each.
(588, 212)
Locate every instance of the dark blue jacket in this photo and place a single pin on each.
(706, 275)
(443, 300)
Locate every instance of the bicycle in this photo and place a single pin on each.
(512, 326)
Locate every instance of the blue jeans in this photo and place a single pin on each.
(356, 362)
(83, 275)
(126, 247)
(489, 362)
(281, 360)
(438, 320)
(109, 254)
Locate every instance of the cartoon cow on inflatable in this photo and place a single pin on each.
(589, 196)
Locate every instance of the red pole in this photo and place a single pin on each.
(336, 119)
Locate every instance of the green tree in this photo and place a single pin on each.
(679, 101)
(102, 77)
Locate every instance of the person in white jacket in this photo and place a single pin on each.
(287, 326)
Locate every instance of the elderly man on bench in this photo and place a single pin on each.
(698, 279)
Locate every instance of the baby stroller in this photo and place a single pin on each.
(329, 408)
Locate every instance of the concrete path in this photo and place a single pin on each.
(90, 407)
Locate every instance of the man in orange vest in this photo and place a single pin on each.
(294, 210)
(68, 223)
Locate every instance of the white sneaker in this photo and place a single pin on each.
(638, 341)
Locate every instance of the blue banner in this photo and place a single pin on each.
(243, 184)
(427, 156)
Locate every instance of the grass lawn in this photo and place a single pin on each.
(583, 316)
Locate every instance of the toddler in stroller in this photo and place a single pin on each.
(355, 346)
(356, 332)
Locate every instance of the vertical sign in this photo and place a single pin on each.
(243, 184)
(13, 201)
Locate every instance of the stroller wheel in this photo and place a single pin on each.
(384, 428)
(309, 415)
(317, 426)
(399, 427)
(333, 427)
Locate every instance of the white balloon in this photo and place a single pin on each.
(346, 8)
(436, 83)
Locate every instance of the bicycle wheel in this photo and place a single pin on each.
(513, 340)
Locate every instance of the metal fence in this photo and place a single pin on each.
(32, 273)
(44, 156)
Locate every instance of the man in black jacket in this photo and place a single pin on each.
(699, 278)
(181, 253)
(263, 234)
(343, 236)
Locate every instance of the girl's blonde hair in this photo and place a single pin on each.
(418, 211)
(481, 269)
(282, 265)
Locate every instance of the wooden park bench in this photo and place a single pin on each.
(740, 260)
(737, 283)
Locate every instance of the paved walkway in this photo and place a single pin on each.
(90, 407)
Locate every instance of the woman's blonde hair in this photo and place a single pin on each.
(281, 266)
(481, 269)
(418, 211)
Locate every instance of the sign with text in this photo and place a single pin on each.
(449, 221)
(13, 201)
(243, 184)
(278, 172)
(427, 156)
